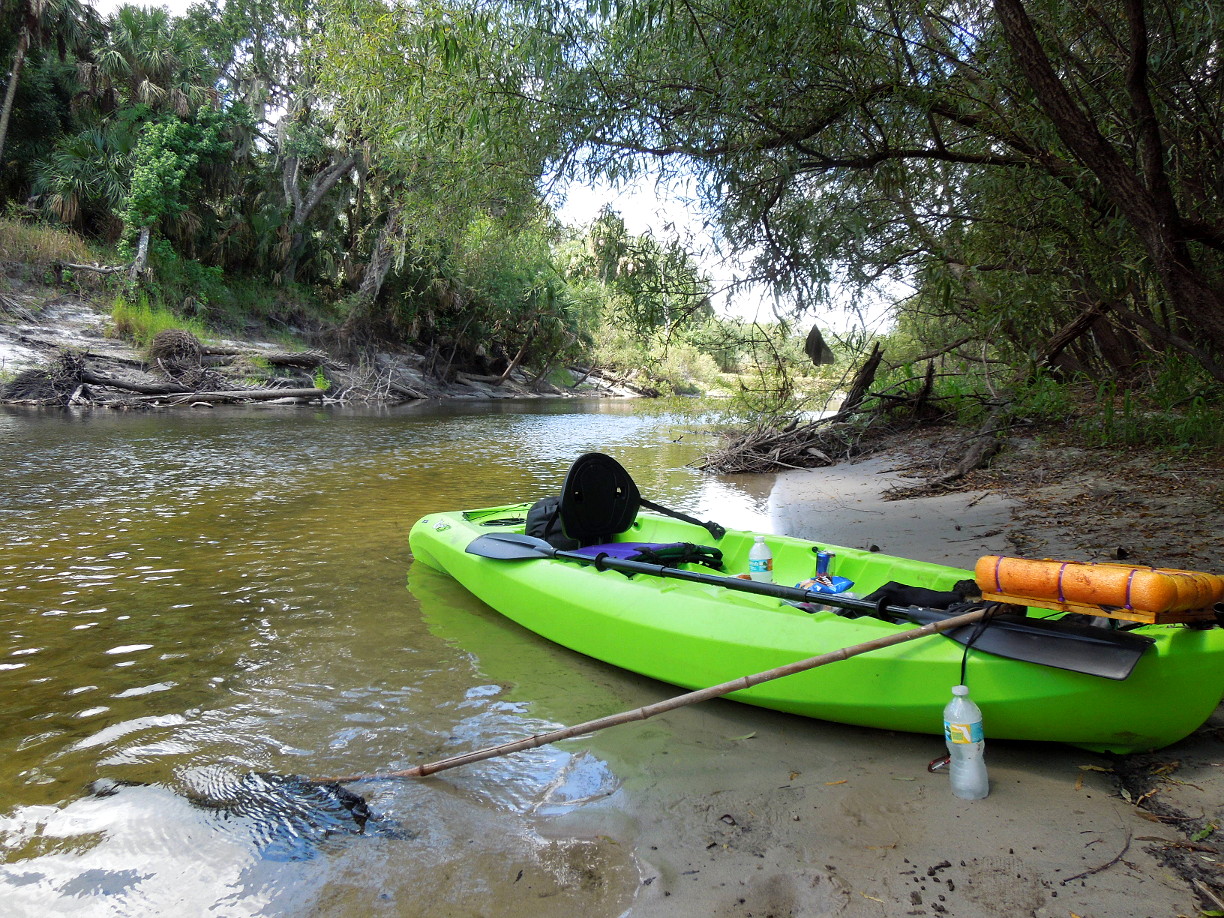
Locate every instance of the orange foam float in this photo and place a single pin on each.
(1142, 594)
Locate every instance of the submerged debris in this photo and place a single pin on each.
(287, 817)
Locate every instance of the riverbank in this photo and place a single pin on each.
(116, 373)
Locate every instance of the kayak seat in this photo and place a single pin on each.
(599, 500)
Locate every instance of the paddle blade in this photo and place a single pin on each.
(510, 546)
(1078, 648)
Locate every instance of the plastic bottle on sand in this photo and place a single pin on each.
(760, 561)
(966, 745)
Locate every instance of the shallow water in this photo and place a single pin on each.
(192, 598)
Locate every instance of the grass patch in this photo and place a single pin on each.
(141, 321)
(35, 244)
(1124, 419)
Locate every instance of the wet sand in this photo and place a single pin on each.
(733, 811)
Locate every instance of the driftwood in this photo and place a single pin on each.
(863, 380)
(305, 360)
(984, 444)
(128, 385)
(825, 441)
(606, 380)
(60, 267)
(238, 395)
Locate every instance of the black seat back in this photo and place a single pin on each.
(598, 500)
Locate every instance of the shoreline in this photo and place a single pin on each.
(75, 324)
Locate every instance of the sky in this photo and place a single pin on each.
(647, 208)
(177, 7)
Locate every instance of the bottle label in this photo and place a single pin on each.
(964, 733)
(760, 565)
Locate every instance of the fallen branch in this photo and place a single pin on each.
(983, 445)
(1087, 873)
(306, 360)
(1207, 891)
(61, 266)
(1185, 845)
(240, 395)
(127, 385)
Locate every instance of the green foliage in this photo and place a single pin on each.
(140, 321)
(194, 286)
(166, 168)
(870, 143)
(441, 93)
(1181, 412)
(391, 157)
(1045, 399)
(650, 285)
(671, 368)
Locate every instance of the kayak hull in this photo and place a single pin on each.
(695, 635)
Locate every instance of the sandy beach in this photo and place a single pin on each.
(801, 818)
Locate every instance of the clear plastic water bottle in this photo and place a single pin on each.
(966, 746)
(760, 561)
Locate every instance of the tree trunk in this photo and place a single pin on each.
(518, 358)
(10, 92)
(1145, 200)
(142, 254)
(372, 280)
(304, 204)
(553, 358)
(863, 381)
(1069, 333)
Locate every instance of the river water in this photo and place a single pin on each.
(191, 600)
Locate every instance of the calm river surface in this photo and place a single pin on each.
(190, 598)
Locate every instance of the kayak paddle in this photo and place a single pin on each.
(1077, 648)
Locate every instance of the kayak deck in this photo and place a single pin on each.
(696, 635)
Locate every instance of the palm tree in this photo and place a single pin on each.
(69, 24)
(148, 59)
(83, 181)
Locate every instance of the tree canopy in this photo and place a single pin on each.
(1037, 180)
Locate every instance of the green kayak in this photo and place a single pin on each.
(701, 632)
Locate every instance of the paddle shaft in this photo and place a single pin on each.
(509, 546)
(761, 588)
(671, 704)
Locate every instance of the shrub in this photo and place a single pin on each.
(141, 321)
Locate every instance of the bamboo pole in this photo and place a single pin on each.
(671, 704)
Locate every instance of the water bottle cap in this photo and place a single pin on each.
(960, 690)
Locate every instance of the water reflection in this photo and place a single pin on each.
(221, 594)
